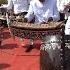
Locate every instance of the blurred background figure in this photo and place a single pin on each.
(65, 8)
(62, 15)
(3, 13)
(18, 7)
(3, 1)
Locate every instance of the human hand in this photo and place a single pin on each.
(50, 19)
(25, 20)
(67, 5)
(3, 6)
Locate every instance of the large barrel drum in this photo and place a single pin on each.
(49, 33)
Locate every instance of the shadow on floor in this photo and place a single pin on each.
(4, 65)
(9, 46)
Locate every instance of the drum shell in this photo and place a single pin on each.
(50, 52)
(49, 57)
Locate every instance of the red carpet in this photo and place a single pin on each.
(14, 57)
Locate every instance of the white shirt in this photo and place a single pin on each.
(60, 5)
(19, 5)
(67, 27)
(42, 11)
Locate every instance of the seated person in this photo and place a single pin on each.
(42, 11)
(65, 8)
(18, 6)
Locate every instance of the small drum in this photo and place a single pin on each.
(49, 33)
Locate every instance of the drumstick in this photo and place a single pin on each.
(8, 22)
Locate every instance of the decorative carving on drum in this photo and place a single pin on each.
(35, 31)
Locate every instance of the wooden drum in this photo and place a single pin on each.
(49, 33)
(34, 31)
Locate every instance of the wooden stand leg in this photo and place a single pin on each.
(62, 50)
(1, 35)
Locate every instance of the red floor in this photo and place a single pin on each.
(14, 57)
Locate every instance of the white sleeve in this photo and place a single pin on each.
(30, 14)
(56, 15)
(10, 4)
(29, 1)
(58, 4)
(61, 6)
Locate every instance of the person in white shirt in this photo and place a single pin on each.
(18, 6)
(42, 10)
(65, 8)
(62, 15)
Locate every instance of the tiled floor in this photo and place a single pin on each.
(14, 57)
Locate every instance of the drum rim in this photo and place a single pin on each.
(36, 29)
(57, 27)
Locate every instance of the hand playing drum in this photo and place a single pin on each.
(25, 20)
(50, 19)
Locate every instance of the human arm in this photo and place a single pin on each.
(30, 15)
(56, 15)
(63, 7)
(10, 4)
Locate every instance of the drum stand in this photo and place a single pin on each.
(65, 39)
(62, 50)
(1, 32)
